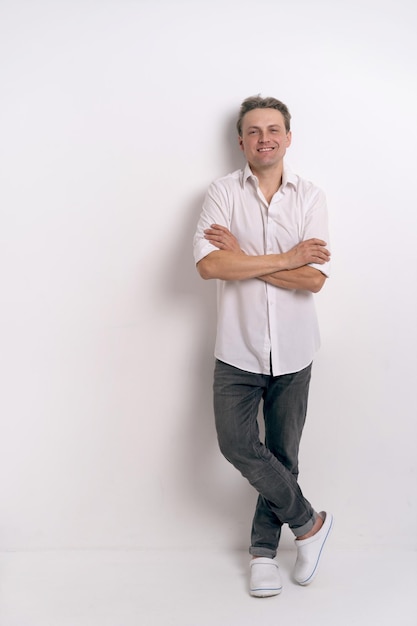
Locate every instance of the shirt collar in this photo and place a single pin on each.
(288, 176)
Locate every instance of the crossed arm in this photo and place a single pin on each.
(288, 270)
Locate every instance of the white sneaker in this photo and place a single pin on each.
(265, 578)
(310, 550)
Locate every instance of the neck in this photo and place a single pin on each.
(270, 179)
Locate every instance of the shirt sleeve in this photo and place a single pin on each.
(316, 225)
(214, 211)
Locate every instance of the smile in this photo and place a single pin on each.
(265, 149)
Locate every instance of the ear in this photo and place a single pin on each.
(289, 139)
(241, 143)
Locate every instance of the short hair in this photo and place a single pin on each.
(257, 102)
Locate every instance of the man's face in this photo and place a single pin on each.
(264, 140)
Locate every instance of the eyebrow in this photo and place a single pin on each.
(270, 126)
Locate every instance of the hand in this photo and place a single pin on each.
(222, 238)
(309, 251)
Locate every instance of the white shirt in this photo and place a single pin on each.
(257, 321)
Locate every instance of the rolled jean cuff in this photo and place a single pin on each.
(255, 551)
(305, 528)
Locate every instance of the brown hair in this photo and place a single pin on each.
(256, 102)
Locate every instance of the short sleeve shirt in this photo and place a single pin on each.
(259, 325)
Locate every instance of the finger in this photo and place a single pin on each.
(321, 258)
(312, 242)
(215, 231)
(220, 227)
(211, 232)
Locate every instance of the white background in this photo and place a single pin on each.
(115, 117)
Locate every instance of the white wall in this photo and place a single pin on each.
(115, 116)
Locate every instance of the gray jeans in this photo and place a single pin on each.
(272, 468)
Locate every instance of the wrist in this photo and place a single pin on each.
(282, 262)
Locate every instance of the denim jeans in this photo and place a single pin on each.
(272, 468)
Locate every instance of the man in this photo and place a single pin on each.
(262, 234)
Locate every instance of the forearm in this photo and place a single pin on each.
(304, 278)
(227, 265)
(229, 262)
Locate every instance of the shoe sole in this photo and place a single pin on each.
(265, 593)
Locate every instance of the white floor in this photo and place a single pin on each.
(116, 588)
